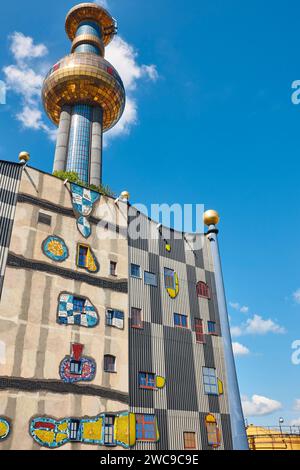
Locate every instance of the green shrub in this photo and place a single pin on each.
(73, 177)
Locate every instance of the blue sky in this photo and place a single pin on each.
(210, 121)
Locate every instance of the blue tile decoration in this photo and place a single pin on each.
(83, 201)
(84, 226)
(55, 248)
(69, 312)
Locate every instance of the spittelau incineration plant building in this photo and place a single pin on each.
(107, 340)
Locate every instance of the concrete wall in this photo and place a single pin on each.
(33, 343)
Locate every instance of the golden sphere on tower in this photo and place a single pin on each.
(211, 217)
(125, 195)
(24, 156)
(87, 79)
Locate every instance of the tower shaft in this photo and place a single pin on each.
(79, 142)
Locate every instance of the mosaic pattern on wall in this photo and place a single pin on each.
(171, 282)
(86, 259)
(77, 368)
(83, 201)
(4, 428)
(73, 310)
(55, 248)
(118, 430)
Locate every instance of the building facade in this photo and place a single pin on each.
(175, 334)
(107, 339)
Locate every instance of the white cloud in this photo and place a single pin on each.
(238, 307)
(23, 47)
(259, 405)
(124, 58)
(25, 78)
(236, 331)
(297, 405)
(240, 350)
(24, 81)
(102, 3)
(244, 309)
(257, 326)
(234, 305)
(296, 296)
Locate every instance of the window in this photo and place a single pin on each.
(78, 309)
(147, 380)
(203, 290)
(136, 318)
(146, 428)
(150, 279)
(75, 367)
(135, 270)
(115, 318)
(86, 259)
(113, 268)
(44, 219)
(109, 422)
(180, 320)
(189, 439)
(169, 279)
(213, 432)
(78, 305)
(74, 428)
(212, 327)
(82, 256)
(199, 331)
(210, 381)
(109, 363)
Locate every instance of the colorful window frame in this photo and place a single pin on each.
(82, 255)
(212, 430)
(203, 290)
(86, 259)
(109, 430)
(199, 330)
(146, 429)
(136, 318)
(147, 380)
(169, 276)
(210, 381)
(180, 321)
(171, 282)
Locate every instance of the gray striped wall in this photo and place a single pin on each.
(181, 406)
(10, 175)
